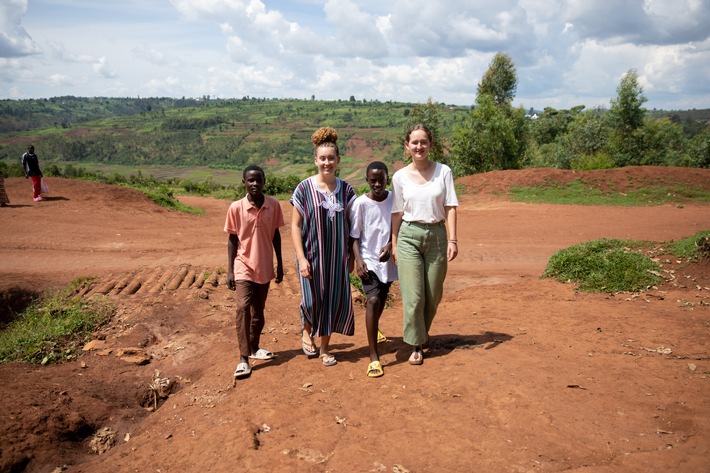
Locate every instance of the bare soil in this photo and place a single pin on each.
(523, 374)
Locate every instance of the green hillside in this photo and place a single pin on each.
(220, 134)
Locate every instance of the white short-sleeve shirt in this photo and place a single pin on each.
(424, 203)
(370, 222)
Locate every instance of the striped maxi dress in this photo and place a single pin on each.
(326, 302)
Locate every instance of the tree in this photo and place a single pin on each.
(493, 136)
(627, 110)
(500, 80)
(627, 116)
(488, 140)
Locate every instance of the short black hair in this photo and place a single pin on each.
(376, 165)
(253, 167)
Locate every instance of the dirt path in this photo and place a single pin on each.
(523, 374)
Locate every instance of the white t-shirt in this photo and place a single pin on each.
(424, 203)
(370, 221)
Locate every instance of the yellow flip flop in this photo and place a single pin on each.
(381, 337)
(374, 369)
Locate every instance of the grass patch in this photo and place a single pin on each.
(54, 328)
(580, 193)
(691, 247)
(605, 266)
(163, 196)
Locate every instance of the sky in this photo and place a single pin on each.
(566, 52)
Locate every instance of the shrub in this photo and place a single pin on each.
(604, 266)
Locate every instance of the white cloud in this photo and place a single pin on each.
(14, 40)
(102, 68)
(567, 52)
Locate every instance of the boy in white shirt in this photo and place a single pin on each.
(370, 221)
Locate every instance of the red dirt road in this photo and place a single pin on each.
(523, 375)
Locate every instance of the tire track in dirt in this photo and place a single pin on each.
(161, 280)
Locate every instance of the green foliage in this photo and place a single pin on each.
(221, 134)
(627, 110)
(604, 266)
(493, 136)
(578, 192)
(500, 81)
(661, 142)
(490, 138)
(598, 160)
(699, 154)
(53, 329)
(689, 247)
(627, 117)
(163, 195)
(552, 124)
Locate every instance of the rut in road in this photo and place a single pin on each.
(161, 280)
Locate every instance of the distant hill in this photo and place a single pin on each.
(202, 132)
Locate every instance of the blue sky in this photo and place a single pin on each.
(567, 52)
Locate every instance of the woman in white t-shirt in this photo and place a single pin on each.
(423, 210)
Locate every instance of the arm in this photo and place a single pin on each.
(360, 266)
(279, 261)
(396, 223)
(386, 251)
(232, 245)
(452, 247)
(304, 266)
(24, 165)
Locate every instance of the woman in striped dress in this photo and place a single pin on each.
(320, 229)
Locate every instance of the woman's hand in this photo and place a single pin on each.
(452, 250)
(304, 268)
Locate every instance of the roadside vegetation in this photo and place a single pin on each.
(200, 145)
(609, 265)
(578, 192)
(53, 328)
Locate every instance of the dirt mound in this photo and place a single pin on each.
(522, 373)
(619, 179)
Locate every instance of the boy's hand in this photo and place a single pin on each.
(230, 281)
(279, 274)
(385, 252)
(361, 269)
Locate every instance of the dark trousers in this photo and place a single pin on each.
(251, 299)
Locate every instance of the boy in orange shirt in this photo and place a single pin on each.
(253, 225)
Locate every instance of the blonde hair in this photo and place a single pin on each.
(325, 136)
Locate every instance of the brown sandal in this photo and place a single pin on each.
(417, 357)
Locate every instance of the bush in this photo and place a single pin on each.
(604, 266)
(598, 160)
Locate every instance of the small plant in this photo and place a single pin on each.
(52, 329)
(604, 266)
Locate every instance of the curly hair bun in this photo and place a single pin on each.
(324, 134)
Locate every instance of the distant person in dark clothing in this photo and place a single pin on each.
(30, 163)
